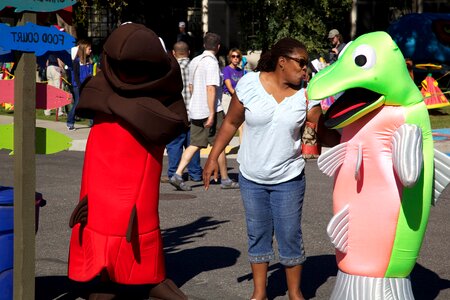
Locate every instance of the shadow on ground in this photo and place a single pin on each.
(318, 269)
(426, 284)
(191, 261)
(437, 112)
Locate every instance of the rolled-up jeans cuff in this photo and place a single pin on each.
(261, 258)
(290, 262)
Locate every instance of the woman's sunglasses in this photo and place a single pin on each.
(301, 61)
(235, 56)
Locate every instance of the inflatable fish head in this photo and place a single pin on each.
(371, 71)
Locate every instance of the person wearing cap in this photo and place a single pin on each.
(338, 44)
(182, 35)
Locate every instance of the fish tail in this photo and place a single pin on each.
(354, 287)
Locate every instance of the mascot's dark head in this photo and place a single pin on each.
(135, 57)
(140, 83)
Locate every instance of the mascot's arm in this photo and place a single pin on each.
(441, 174)
(407, 154)
(337, 229)
(331, 160)
(79, 214)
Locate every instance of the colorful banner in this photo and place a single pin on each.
(47, 96)
(37, 5)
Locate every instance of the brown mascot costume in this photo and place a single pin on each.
(137, 107)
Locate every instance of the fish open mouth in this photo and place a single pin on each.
(352, 105)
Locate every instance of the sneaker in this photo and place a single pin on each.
(229, 184)
(179, 183)
(71, 128)
(165, 179)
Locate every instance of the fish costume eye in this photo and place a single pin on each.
(364, 56)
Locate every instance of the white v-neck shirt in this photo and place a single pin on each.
(270, 152)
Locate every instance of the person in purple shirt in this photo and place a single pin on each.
(231, 75)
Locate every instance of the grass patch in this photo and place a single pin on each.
(440, 118)
(41, 116)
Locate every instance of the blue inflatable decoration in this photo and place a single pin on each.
(424, 37)
(34, 38)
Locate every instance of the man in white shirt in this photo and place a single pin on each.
(205, 110)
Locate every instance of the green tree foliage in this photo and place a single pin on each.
(263, 22)
(82, 7)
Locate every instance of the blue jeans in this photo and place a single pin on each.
(71, 116)
(274, 208)
(174, 152)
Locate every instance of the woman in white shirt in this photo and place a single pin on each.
(274, 108)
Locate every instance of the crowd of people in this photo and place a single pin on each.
(216, 103)
(205, 111)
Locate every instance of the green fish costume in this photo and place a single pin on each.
(386, 170)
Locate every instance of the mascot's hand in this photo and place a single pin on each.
(80, 213)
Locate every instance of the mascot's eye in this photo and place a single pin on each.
(364, 56)
(360, 60)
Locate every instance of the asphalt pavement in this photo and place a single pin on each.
(204, 233)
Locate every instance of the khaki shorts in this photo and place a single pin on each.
(201, 136)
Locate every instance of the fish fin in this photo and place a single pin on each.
(441, 174)
(358, 162)
(407, 154)
(337, 229)
(332, 159)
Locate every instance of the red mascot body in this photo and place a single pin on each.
(137, 108)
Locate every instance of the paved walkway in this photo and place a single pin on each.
(79, 136)
(204, 233)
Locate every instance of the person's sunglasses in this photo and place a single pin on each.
(235, 56)
(301, 62)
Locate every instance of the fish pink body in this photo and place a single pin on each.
(374, 197)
